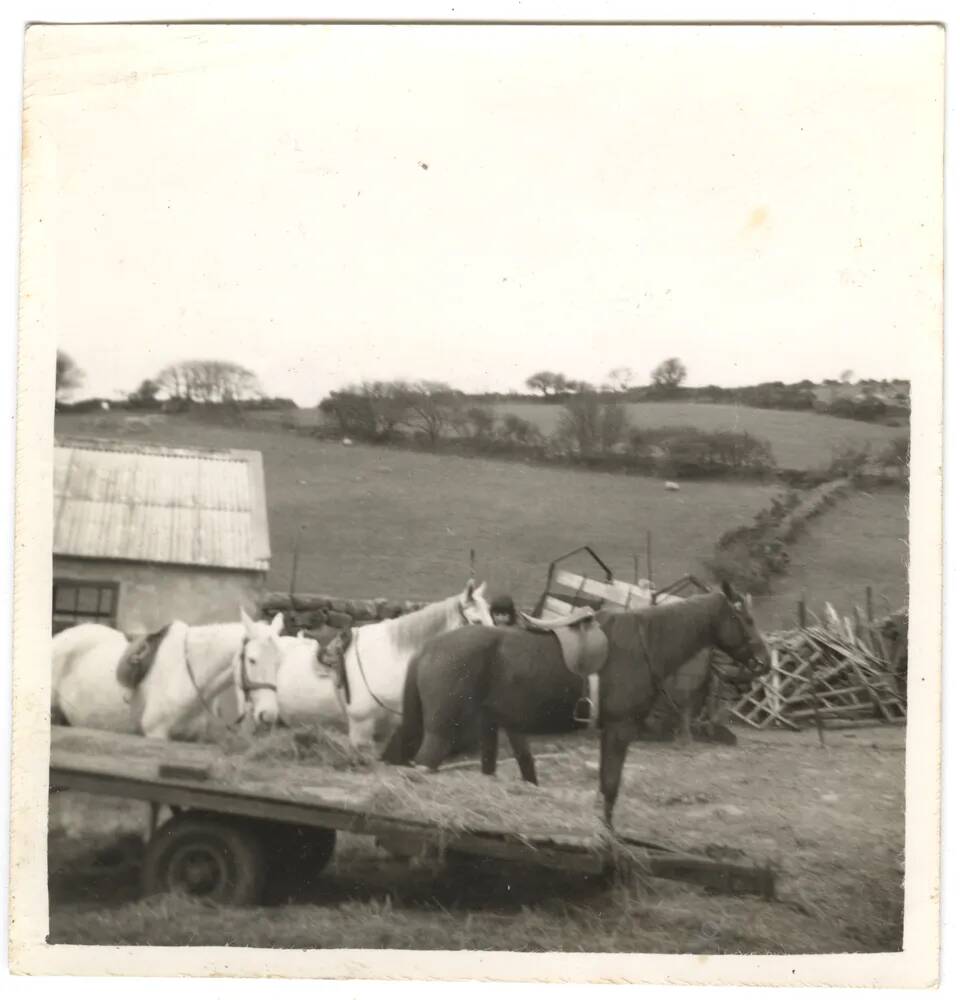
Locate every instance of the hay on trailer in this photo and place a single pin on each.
(453, 801)
(314, 745)
(461, 802)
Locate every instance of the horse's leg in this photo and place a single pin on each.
(434, 750)
(489, 734)
(363, 732)
(614, 743)
(521, 750)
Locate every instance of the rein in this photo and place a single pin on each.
(356, 648)
(193, 680)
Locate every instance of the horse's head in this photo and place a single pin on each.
(473, 605)
(256, 667)
(738, 635)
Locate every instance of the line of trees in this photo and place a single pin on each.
(591, 429)
(665, 379)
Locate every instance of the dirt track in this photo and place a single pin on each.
(829, 819)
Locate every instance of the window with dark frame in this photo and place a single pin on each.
(76, 601)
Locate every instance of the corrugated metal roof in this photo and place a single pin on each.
(116, 500)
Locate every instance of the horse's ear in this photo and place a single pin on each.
(247, 624)
(277, 623)
(481, 591)
(728, 591)
(468, 592)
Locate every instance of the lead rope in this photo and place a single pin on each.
(203, 701)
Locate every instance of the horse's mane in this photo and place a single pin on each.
(415, 628)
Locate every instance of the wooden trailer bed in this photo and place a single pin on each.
(212, 790)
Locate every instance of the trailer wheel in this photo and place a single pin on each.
(205, 857)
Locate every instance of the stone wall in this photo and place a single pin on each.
(311, 611)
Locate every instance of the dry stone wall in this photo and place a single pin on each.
(312, 611)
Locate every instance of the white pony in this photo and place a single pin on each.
(84, 690)
(101, 681)
(373, 660)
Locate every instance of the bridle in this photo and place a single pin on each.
(741, 654)
(246, 684)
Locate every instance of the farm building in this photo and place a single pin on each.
(145, 534)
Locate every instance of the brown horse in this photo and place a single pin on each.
(646, 647)
(503, 675)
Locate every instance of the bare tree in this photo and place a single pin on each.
(669, 374)
(209, 381)
(622, 378)
(433, 407)
(70, 376)
(549, 383)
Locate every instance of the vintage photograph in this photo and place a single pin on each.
(476, 474)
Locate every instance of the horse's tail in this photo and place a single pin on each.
(408, 736)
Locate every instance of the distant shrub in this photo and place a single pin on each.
(896, 455)
(691, 451)
(848, 459)
(738, 566)
(518, 430)
(869, 409)
(479, 421)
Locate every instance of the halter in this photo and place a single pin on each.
(741, 654)
(247, 685)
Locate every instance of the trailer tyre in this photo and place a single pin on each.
(205, 857)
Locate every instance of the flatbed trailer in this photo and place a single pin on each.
(235, 822)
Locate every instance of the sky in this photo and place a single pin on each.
(328, 204)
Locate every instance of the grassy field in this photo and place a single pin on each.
(800, 439)
(829, 820)
(381, 522)
(860, 541)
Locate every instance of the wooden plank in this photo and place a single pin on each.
(617, 592)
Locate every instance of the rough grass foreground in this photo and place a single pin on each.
(829, 819)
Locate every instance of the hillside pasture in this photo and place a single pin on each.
(400, 524)
(861, 540)
(800, 439)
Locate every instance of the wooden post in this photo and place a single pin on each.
(802, 611)
(293, 568)
(473, 562)
(636, 568)
(650, 564)
(869, 604)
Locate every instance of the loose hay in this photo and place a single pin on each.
(300, 745)
(453, 802)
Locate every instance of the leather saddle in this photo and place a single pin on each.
(324, 636)
(138, 657)
(582, 642)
